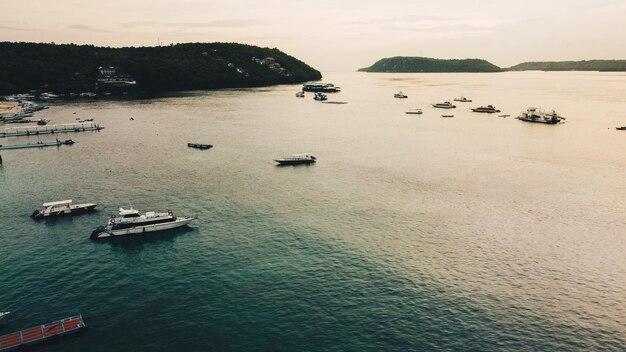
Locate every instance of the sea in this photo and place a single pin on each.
(479, 232)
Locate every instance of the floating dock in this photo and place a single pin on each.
(31, 145)
(50, 129)
(41, 333)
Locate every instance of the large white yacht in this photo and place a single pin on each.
(132, 222)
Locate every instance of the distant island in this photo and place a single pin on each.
(71, 68)
(424, 64)
(405, 64)
(587, 65)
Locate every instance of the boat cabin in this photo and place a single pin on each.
(53, 207)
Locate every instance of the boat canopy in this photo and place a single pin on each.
(128, 211)
(60, 202)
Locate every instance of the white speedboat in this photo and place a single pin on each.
(444, 105)
(132, 222)
(414, 111)
(62, 207)
(3, 317)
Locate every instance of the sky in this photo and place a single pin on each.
(337, 35)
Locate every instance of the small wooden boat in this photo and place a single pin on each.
(414, 111)
(448, 116)
(199, 146)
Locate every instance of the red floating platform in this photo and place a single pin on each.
(41, 333)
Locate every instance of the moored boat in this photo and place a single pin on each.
(414, 111)
(490, 109)
(320, 87)
(199, 145)
(62, 207)
(447, 116)
(536, 115)
(297, 159)
(3, 317)
(622, 128)
(399, 95)
(320, 96)
(132, 222)
(444, 105)
(463, 100)
(300, 94)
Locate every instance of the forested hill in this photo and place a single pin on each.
(74, 68)
(425, 64)
(590, 65)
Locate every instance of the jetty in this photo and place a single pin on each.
(41, 333)
(39, 144)
(50, 129)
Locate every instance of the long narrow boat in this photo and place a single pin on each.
(41, 333)
(62, 207)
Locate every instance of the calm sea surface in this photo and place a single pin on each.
(411, 233)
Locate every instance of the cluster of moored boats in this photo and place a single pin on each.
(530, 115)
(126, 222)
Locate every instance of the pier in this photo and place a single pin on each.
(51, 129)
(39, 144)
(41, 333)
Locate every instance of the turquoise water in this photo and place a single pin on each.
(411, 232)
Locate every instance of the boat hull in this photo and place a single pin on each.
(74, 210)
(102, 233)
(539, 120)
(294, 162)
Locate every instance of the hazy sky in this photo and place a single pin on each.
(337, 35)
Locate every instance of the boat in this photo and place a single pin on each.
(414, 111)
(505, 115)
(3, 317)
(199, 146)
(623, 128)
(300, 94)
(132, 222)
(320, 87)
(42, 333)
(463, 100)
(297, 159)
(62, 207)
(536, 115)
(447, 115)
(320, 96)
(400, 95)
(43, 122)
(488, 109)
(444, 105)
